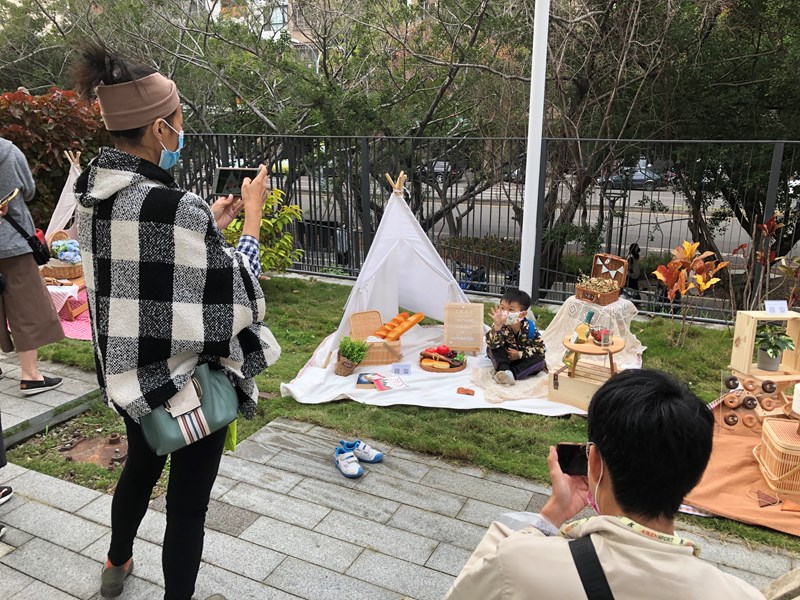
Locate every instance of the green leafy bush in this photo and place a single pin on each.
(43, 127)
(277, 244)
(352, 350)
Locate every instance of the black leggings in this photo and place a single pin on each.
(192, 472)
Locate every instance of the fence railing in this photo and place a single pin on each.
(468, 195)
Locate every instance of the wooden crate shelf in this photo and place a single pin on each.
(744, 334)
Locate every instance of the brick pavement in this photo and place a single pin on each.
(283, 523)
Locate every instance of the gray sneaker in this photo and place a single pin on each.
(112, 580)
(505, 378)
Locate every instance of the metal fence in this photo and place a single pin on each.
(595, 196)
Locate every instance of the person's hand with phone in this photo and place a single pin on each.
(569, 495)
(254, 194)
(226, 210)
(5, 202)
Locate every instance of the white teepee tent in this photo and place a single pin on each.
(65, 208)
(402, 268)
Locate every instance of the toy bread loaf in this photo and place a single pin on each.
(395, 333)
(399, 318)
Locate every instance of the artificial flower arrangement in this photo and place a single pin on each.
(67, 251)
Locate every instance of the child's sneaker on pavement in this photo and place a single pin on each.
(364, 452)
(505, 378)
(347, 463)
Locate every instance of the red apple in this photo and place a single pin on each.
(443, 350)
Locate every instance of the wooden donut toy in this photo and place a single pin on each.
(731, 382)
(750, 402)
(749, 384)
(732, 400)
(731, 419)
(750, 421)
(768, 403)
(769, 386)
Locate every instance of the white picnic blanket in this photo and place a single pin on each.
(316, 384)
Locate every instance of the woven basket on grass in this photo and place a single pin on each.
(59, 269)
(344, 367)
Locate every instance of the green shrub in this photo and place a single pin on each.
(277, 244)
(352, 350)
(43, 127)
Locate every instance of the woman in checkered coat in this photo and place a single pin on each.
(166, 294)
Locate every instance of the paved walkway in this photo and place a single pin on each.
(283, 523)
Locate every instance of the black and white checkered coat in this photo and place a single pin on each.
(165, 291)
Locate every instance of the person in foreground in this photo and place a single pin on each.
(649, 443)
(166, 295)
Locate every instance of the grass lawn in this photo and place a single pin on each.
(302, 312)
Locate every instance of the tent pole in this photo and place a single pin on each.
(533, 169)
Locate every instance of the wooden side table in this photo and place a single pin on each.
(592, 349)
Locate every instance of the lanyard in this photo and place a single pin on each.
(642, 530)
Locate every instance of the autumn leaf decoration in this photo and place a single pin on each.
(685, 266)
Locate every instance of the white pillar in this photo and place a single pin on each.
(530, 244)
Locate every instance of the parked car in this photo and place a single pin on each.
(439, 169)
(633, 178)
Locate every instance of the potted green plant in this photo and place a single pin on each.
(771, 341)
(351, 353)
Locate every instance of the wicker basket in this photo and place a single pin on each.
(778, 455)
(61, 270)
(344, 367)
(57, 235)
(600, 298)
(365, 324)
(605, 266)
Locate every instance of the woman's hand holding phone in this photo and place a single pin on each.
(254, 194)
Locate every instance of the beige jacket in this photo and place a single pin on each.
(525, 564)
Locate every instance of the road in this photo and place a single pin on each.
(657, 221)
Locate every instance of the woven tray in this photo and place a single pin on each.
(61, 270)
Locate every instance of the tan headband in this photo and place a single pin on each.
(134, 104)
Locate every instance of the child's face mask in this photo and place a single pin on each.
(514, 317)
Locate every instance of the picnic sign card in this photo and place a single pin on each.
(463, 327)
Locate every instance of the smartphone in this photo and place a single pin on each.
(572, 458)
(9, 197)
(228, 180)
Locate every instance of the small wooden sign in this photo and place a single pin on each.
(463, 326)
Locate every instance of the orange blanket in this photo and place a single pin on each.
(732, 479)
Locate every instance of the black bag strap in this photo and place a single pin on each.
(18, 227)
(590, 570)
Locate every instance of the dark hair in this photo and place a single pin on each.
(655, 438)
(518, 297)
(97, 64)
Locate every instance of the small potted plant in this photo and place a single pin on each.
(351, 353)
(771, 341)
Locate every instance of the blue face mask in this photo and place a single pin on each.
(170, 157)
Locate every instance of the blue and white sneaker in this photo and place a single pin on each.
(363, 452)
(347, 463)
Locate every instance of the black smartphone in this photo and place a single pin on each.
(228, 180)
(572, 458)
(9, 197)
